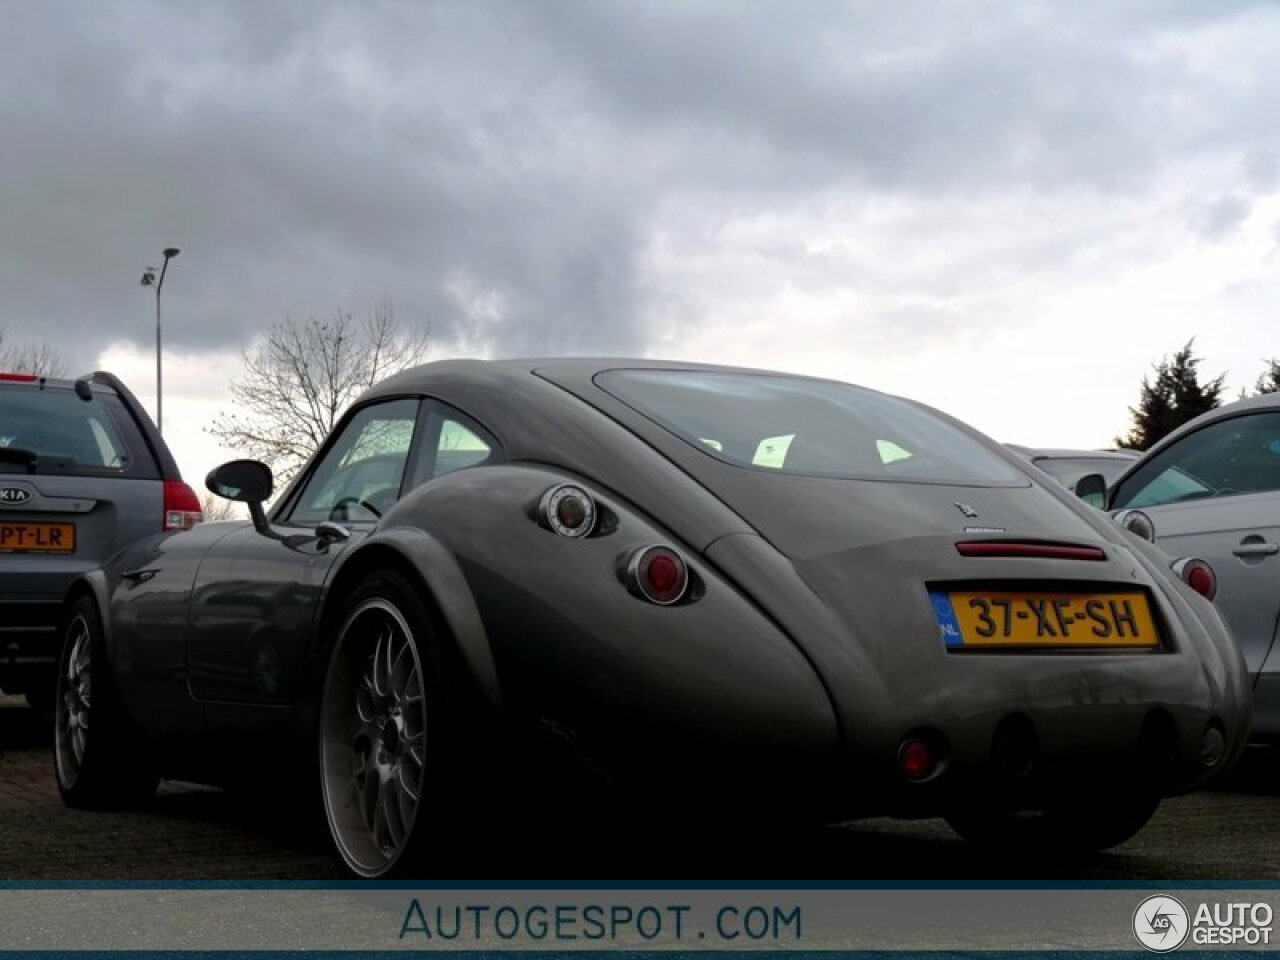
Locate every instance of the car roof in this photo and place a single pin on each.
(1266, 401)
(1064, 453)
(419, 377)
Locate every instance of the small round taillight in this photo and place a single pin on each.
(1198, 575)
(1138, 523)
(568, 510)
(915, 759)
(658, 574)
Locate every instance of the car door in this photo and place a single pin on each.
(256, 597)
(1215, 494)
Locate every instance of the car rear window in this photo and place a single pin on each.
(68, 435)
(796, 425)
(1070, 469)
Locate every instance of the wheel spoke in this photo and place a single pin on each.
(392, 819)
(408, 778)
(369, 785)
(382, 662)
(402, 671)
(366, 698)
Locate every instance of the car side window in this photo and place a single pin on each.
(360, 475)
(1237, 455)
(453, 441)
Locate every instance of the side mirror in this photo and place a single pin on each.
(246, 481)
(1092, 489)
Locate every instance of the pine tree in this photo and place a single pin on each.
(1269, 381)
(1176, 396)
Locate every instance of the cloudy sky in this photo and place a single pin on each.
(1008, 210)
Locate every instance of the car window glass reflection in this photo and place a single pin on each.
(69, 435)
(459, 447)
(1229, 457)
(785, 424)
(359, 476)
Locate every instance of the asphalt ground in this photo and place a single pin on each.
(191, 833)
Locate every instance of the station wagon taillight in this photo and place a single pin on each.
(182, 509)
(19, 377)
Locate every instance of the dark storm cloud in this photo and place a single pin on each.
(496, 169)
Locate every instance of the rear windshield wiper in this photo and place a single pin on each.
(27, 458)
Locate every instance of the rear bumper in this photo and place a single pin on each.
(1028, 756)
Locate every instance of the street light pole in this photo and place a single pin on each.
(148, 279)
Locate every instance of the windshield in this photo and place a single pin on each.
(795, 425)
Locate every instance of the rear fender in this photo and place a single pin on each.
(94, 584)
(427, 560)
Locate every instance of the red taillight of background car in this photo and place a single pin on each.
(1198, 575)
(658, 574)
(19, 377)
(182, 509)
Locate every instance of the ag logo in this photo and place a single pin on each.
(1161, 923)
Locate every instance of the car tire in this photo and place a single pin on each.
(1081, 826)
(98, 762)
(390, 732)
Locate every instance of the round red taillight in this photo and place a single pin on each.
(658, 574)
(915, 759)
(665, 573)
(1198, 575)
(1201, 580)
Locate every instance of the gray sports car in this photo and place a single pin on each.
(712, 590)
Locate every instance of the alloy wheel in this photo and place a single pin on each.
(374, 738)
(73, 704)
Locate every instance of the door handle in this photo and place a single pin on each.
(1257, 550)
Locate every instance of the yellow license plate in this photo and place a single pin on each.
(37, 537)
(985, 619)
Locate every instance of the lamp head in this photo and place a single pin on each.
(170, 252)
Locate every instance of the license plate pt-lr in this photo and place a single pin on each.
(993, 619)
(37, 537)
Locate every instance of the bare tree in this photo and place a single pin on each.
(38, 358)
(215, 508)
(299, 382)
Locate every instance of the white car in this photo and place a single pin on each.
(1212, 489)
